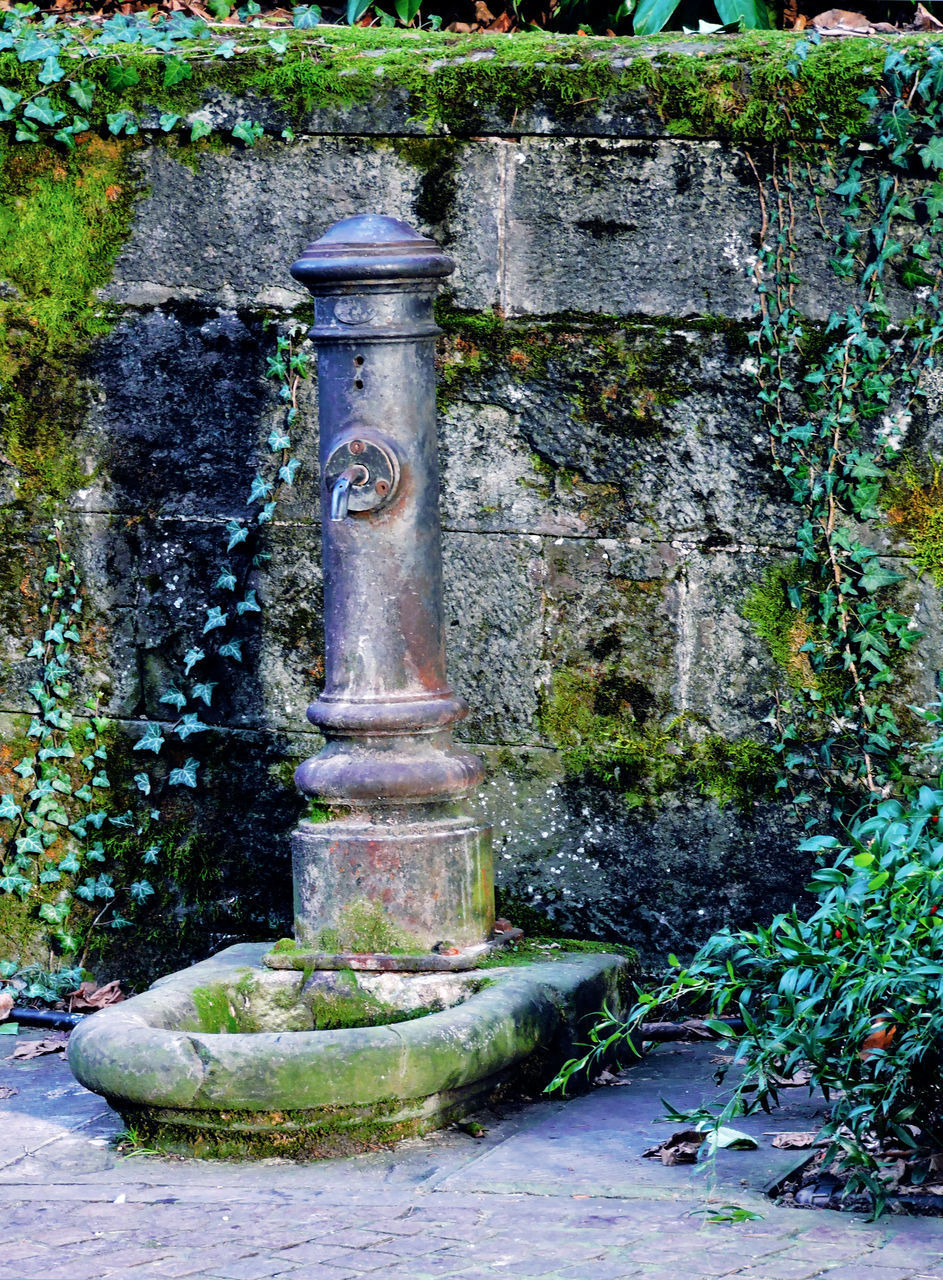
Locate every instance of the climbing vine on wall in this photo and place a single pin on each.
(838, 401)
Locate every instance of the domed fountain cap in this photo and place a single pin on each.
(370, 247)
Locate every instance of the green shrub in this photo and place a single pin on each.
(865, 966)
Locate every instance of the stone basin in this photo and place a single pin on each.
(230, 1057)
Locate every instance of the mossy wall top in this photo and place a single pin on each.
(608, 500)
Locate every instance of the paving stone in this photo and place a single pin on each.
(362, 1260)
(257, 1268)
(874, 1272)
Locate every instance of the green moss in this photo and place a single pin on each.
(743, 88)
(913, 500)
(546, 949)
(365, 926)
(776, 620)
(219, 1009)
(327, 1131)
(619, 376)
(436, 159)
(737, 772)
(587, 716)
(63, 219)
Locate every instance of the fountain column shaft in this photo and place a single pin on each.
(401, 840)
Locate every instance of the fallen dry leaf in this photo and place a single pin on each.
(89, 997)
(6, 1004)
(38, 1048)
(925, 21)
(841, 20)
(796, 1140)
(681, 1148)
(607, 1077)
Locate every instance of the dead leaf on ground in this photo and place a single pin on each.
(842, 22)
(39, 1048)
(925, 21)
(6, 1004)
(681, 1148)
(795, 1081)
(795, 1140)
(89, 997)
(607, 1077)
(7, 1091)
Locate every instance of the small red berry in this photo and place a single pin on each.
(838, 933)
(934, 817)
(934, 910)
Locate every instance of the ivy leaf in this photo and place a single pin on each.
(191, 658)
(41, 109)
(249, 605)
(200, 129)
(932, 153)
(151, 854)
(278, 441)
(101, 779)
(82, 93)
(140, 890)
(50, 876)
(143, 783)
(25, 767)
(261, 488)
(287, 472)
(202, 691)
(151, 740)
(237, 533)
(54, 913)
(185, 777)
(116, 121)
(174, 697)
(233, 649)
(70, 864)
(31, 843)
(84, 793)
(9, 98)
(279, 44)
(168, 120)
(36, 49)
(225, 49)
(120, 76)
(226, 581)
(9, 808)
(265, 515)
(214, 618)
(190, 724)
(356, 9)
(304, 16)
(876, 576)
(175, 71)
(51, 73)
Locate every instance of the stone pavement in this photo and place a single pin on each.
(554, 1190)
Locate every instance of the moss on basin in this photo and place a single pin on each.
(225, 1058)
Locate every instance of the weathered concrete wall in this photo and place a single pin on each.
(607, 494)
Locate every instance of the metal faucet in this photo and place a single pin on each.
(340, 490)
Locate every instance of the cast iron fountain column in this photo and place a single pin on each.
(389, 772)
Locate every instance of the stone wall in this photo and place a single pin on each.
(607, 494)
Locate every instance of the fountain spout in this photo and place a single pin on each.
(340, 489)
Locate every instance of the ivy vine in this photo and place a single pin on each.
(54, 834)
(837, 401)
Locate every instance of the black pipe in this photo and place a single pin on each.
(54, 1019)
